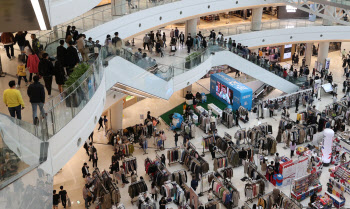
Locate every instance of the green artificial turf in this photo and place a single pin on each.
(179, 109)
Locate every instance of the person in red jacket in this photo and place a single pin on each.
(8, 40)
(32, 62)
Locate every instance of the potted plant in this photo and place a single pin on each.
(70, 86)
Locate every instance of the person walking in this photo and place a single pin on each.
(74, 33)
(176, 138)
(271, 108)
(189, 43)
(297, 104)
(55, 199)
(85, 170)
(100, 122)
(164, 40)
(71, 59)
(46, 71)
(86, 147)
(59, 73)
(146, 42)
(182, 39)
(36, 95)
(94, 159)
(92, 150)
(91, 137)
(21, 72)
(20, 39)
(8, 40)
(61, 52)
(86, 195)
(63, 196)
(292, 148)
(13, 100)
(35, 44)
(154, 191)
(32, 61)
(162, 203)
(81, 47)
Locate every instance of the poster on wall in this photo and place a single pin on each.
(287, 51)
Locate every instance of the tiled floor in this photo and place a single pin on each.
(71, 178)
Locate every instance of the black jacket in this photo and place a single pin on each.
(61, 53)
(72, 57)
(45, 68)
(20, 39)
(83, 170)
(36, 93)
(74, 35)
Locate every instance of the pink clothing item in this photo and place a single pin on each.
(33, 63)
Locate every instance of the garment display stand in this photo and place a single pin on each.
(241, 134)
(205, 176)
(178, 176)
(253, 184)
(221, 186)
(150, 204)
(172, 157)
(194, 200)
(169, 188)
(220, 161)
(140, 187)
(133, 167)
(227, 171)
(205, 142)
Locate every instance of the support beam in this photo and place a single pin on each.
(308, 54)
(191, 27)
(323, 50)
(329, 10)
(256, 19)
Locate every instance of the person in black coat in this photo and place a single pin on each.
(71, 58)
(85, 170)
(36, 95)
(189, 43)
(74, 34)
(100, 122)
(59, 75)
(46, 71)
(61, 52)
(297, 104)
(20, 39)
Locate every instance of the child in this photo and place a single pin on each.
(21, 73)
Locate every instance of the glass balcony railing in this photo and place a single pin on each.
(99, 16)
(343, 2)
(21, 148)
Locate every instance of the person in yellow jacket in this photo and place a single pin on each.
(13, 100)
(21, 73)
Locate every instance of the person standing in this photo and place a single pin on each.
(46, 71)
(176, 33)
(297, 104)
(59, 74)
(71, 59)
(64, 196)
(164, 39)
(13, 100)
(36, 95)
(100, 122)
(61, 52)
(85, 170)
(146, 42)
(176, 138)
(74, 33)
(94, 159)
(8, 40)
(277, 162)
(194, 183)
(154, 191)
(20, 39)
(81, 47)
(86, 147)
(189, 43)
(86, 195)
(32, 61)
(92, 150)
(162, 203)
(212, 150)
(91, 137)
(271, 108)
(35, 44)
(55, 200)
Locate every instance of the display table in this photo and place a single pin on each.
(337, 201)
(311, 190)
(323, 202)
(200, 109)
(215, 109)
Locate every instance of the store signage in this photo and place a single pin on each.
(287, 51)
(291, 8)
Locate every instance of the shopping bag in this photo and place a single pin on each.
(69, 202)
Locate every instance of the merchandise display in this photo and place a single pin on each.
(305, 186)
(130, 164)
(335, 190)
(279, 198)
(293, 169)
(174, 155)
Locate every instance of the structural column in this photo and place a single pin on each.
(329, 10)
(308, 53)
(323, 50)
(256, 18)
(191, 27)
(116, 116)
(118, 7)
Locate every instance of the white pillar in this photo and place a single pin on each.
(186, 89)
(329, 10)
(117, 116)
(256, 18)
(323, 50)
(191, 27)
(118, 7)
(308, 54)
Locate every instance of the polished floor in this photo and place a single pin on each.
(71, 178)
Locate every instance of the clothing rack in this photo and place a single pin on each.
(205, 142)
(211, 203)
(194, 200)
(172, 156)
(225, 169)
(136, 194)
(150, 204)
(204, 177)
(215, 179)
(241, 134)
(173, 176)
(125, 164)
(255, 167)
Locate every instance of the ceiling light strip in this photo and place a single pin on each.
(39, 14)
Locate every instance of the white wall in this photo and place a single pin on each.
(134, 24)
(60, 11)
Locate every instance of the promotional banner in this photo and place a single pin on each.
(327, 145)
(230, 91)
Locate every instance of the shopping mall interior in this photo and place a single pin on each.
(175, 104)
